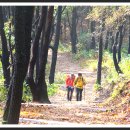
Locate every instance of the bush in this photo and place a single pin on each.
(60, 78)
(3, 93)
(52, 89)
(27, 96)
(84, 41)
(64, 47)
(97, 87)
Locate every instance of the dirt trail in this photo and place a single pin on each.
(63, 113)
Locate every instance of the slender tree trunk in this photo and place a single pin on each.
(64, 30)
(93, 43)
(37, 60)
(129, 37)
(106, 43)
(5, 53)
(111, 42)
(99, 68)
(120, 42)
(114, 55)
(73, 32)
(56, 44)
(92, 28)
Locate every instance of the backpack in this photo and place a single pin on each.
(79, 82)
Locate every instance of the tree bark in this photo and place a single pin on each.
(41, 79)
(5, 53)
(99, 68)
(92, 28)
(93, 43)
(73, 32)
(129, 37)
(56, 44)
(34, 55)
(120, 42)
(114, 55)
(106, 43)
(23, 26)
(111, 42)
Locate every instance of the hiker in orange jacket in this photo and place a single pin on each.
(70, 87)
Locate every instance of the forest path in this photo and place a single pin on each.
(63, 113)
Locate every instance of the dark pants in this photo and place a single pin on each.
(70, 93)
(79, 94)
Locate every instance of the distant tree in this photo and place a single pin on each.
(106, 42)
(129, 36)
(111, 42)
(114, 54)
(121, 35)
(73, 32)
(100, 54)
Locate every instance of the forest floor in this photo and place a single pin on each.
(90, 112)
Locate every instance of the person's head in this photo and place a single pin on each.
(72, 75)
(79, 74)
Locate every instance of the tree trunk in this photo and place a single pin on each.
(34, 55)
(106, 43)
(129, 37)
(64, 30)
(111, 42)
(44, 54)
(92, 28)
(23, 25)
(120, 42)
(99, 68)
(55, 48)
(5, 53)
(114, 55)
(73, 32)
(93, 43)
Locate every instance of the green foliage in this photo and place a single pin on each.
(117, 90)
(3, 90)
(60, 78)
(27, 96)
(84, 41)
(3, 93)
(52, 89)
(110, 72)
(7, 32)
(125, 66)
(64, 47)
(91, 64)
(97, 87)
(84, 54)
(68, 10)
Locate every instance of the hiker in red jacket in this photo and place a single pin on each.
(70, 86)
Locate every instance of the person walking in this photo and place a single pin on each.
(79, 83)
(70, 86)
